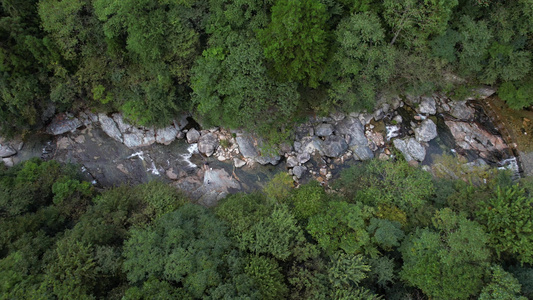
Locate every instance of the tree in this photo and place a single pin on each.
(449, 262)
(502, 286)
(507, 217)
(362, 62)
(296, 40)
(413, 21)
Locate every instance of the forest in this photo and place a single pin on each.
(383, 230)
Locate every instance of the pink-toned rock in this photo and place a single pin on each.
(470, 136)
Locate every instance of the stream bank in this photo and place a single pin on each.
(209, 163)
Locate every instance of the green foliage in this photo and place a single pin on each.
(268, 277)
(517, 96)
(502, 286)
(387, 234)
(343, 226)
(156, 289)
(347, 270)
(262, 227)
(362, 62)
(231, 88)
(524, 274)
(279, 187)
(448, 263)
(296, 40)
(308, 200)
(507, 218)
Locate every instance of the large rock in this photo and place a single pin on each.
(265, 159)
(62, 123)
(299, 171)
(110, 127)
(122, 125)
(470, 136)
(292, 161)
(216, 184)
(247, 146)
(426, 131)
(166, 135)
(411, 149)
(208, 143)
(362, 152)
(303, 157)
(481, 93)
(139, 138)
(7, 150)
(334, 146)
(427, 105)
(461, 111)
(352, 127)
(324, 129)
(192, 136)
(312, 144)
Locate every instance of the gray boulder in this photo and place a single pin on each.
(208, 143)
(324, 129)
(139, 138)
(110, 127)
(426, 131)
(166, 135)
(303, 157)
(266, 159)
(239, 163)
(353, 127)
(411, 149)
(461, 111)
(292, 161)
(362, 152)
(192, 136)
(62, 123)
(247, 146)
(312, 144)
(334, 146)
(7, 150)
(427, 105)
(298, 171)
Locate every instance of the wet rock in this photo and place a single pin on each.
(426, 131)
(139, 138)
(63, 143)
(180, 135)
(298, 171)
(7, 150)
(216, 182)
(63, 123)
(312, 144)
(292, 161)
(208, 143)
(334, 146)
(337, 116)
(110, 127)
(353, 127)
(379, 114)
(411, 149)
(470, 136)
(238, 163)
(362, 152)
(166, 135)
(192, 136)
(171, 175)
(8, 161)
(427, 105)
(461, 111)
(247, 146)
(324, 130)
(303, 157)
(398, 119)
(266, 159)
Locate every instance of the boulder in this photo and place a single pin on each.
(110, 127)
(166, 135)
(324, 129)
(246, 146)
(292, 161)
(426, 131)
(334, 146)
(121, 124)
(208, 143)
(470, 136)
(411, 149)
(461, 111)
(63, 123)
(265, 159)
(192, 136)
(7, 150)
(312, 144)
(337, 116)
(362, 152)
(353, 127)
(298, 171)
(481, 93)
(427, 105)
(239, 163)
(303, 157)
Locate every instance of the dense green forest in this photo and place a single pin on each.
(230, 61)
(385, 230)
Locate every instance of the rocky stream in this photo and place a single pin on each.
(209, 163)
